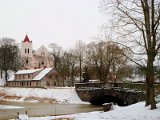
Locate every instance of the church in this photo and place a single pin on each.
(37, 68)
(34, 59)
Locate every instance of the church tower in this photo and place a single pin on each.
(37, 59)
(26, 47)
(26, 52)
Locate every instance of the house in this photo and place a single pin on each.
(34, 59)
(35, 78)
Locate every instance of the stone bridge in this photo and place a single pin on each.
(97, 93)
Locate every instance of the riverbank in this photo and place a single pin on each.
(136, 111)
(50, 95)
(43, 109)
(66, 95)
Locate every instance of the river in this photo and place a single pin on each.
(42, 109)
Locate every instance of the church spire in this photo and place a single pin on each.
(26, 39)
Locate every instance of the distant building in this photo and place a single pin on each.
(34, 59)
(35, 78)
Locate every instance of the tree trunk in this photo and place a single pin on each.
(80, 68)
(72, 75)
(150, 92)
(147, 92)
(101, 66)
(1, 74)
(6, 76)
(152, 89)
(152, 95)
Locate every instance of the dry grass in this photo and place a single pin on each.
(5, 96)
(8, 97)
(41, 100)
(63, 119)
(47, 100)
(2, 94)
(30, 98)
(11, 97)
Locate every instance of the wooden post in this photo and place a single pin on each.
(26, 112)
(17, 115)
(107, 106)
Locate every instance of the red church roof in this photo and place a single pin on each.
(26, 39)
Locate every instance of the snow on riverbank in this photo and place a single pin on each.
(10, 107)
(132, 112)
(137, 111)
(62, 95)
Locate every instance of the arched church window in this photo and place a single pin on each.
(26, 61)
(42, 63)
(28, 50)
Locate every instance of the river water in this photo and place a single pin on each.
(42, 109)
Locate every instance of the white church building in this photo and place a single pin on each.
(34, 59)
(37, 68)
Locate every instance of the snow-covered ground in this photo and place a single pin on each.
(2, 80)
(62, 95)
(10, 107)
(132, 112)
(137, 111)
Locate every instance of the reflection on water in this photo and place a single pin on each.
(39, 109)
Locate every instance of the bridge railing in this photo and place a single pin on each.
(98, 84)
(138, 86)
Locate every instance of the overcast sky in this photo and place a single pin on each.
(50, 21)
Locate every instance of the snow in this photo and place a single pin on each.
(23, 117)
(136, 111)
(11, 75)
(135, 79)
(62, 95)
(27, 71)
(9, 107)
(42, 73)
(2, 82)
(11, 78)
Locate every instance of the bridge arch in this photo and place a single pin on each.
(98, 93)
(107, 99)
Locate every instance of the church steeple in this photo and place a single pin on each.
(26, 39)
(26, 47)
(26, 52)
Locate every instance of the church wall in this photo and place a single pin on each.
(26, 49)
(38, 59)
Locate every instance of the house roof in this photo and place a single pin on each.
(42, 49)
(42, 74)
(26, 39)
(27, 71)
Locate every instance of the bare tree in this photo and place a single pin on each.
(9, 55)
(138, 22)
(73, 58)
(56, 51)
(107, 59)
(80, 51)
(92, 59)
(68, 66)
